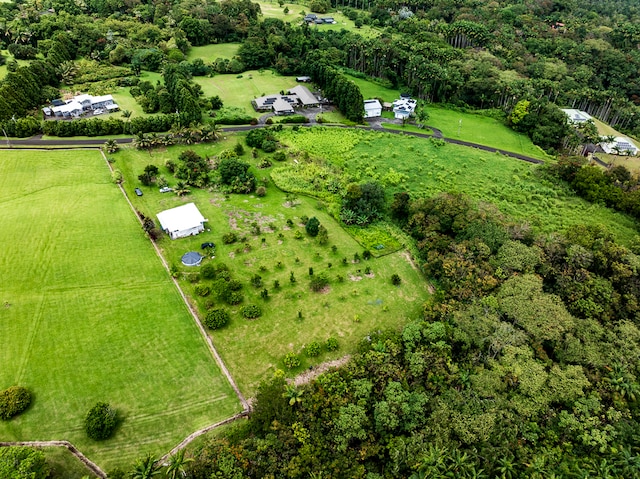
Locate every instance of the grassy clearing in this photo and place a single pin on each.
(239, 92)
(371, 89)
(210, 52)
(416, 165)
(632, 163)
(482, 130)
(295, 15)
(407, 128)
(65, 465)
(93, 315)
(348, 310)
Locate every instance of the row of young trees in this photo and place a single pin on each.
(524, 365)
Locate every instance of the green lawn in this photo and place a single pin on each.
(210, 52)
(371, 89)
(483, 130)
(239, 92)
(425, 169)
(273, 10)
(89, 314)
(65, 465)
(350, 309)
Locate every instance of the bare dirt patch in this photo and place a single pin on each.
(407, 256)
(370, 275)
(355, 278)
(316, 371)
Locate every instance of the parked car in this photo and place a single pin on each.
(165, 189)
(138, 192)
(98, 111)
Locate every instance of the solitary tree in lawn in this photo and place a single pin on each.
(312, 226)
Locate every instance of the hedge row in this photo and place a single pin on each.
(29, 126)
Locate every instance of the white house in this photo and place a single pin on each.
(372, 108)
(620, 146)
(80, 104)
(404, 107)
(576, 116)
(182, 221)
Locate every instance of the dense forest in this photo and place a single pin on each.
(526, 362)
(467, 52)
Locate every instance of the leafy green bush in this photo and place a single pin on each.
(332, 344)
(229, 238)
(251, 311)
(293, 119)
(268, 146)
(313, 349)
(202, 290)
(216, 318)
(234, 297)
(291, 360)
(13, 401)
(261, 191)
(208, 271)
(395, 279)
(319, 282)
(101, 421)
(279, 156)
(312, 226)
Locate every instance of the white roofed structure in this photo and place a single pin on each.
(372, 108)
(182, 221)
(576, 116)
(620, 146)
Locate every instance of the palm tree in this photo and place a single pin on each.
(141, 142)
(111, 146)
(145, 468)
(176, 465)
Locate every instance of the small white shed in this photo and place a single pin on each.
(182, 221)
(372, 109)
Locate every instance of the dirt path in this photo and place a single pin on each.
(308, 376)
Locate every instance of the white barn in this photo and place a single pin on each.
(372, 109)
(182, 221)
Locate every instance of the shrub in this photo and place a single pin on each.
(291, 360)
(261, 191)
(313, 349)
(298, 234)
(234, 285)
(251, 311)
(202, 290)
(312, 226)
(13, 401)
(264, 294)
(323, 235)
(279, 156)
(304, 219)
(395, 279)
(332, 344)
(366, 254)
(208, 271)
(216, 318)
(234, 297)
(101, 421)
(229, 238)
(265, 163)
(319, 282)
(256, 280)
(268, 146)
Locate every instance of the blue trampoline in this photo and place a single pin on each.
(192, 258)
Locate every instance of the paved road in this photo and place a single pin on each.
(38, 142)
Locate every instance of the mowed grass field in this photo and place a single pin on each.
(466, 126)
(348, 310)
(88, 314)
(209, 53)
(517, 188)
(240, 90)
